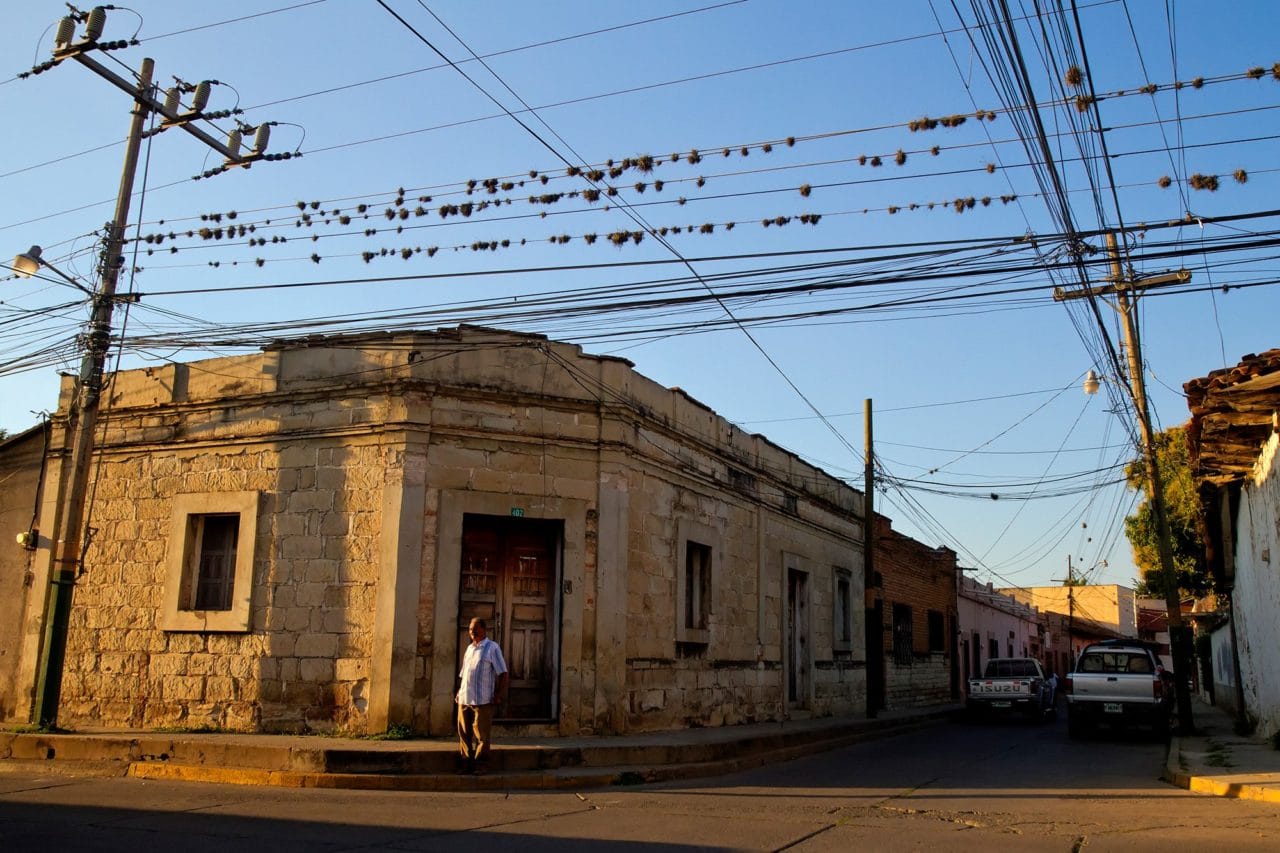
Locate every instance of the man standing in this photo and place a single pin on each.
(484, 687)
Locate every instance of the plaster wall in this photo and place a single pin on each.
(1110, 605)
(994, 616)
(1257, 588)
(19, 481)
(1224, 681)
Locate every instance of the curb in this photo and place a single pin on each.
(528, 780)
(1225, 785)
(1220, 787)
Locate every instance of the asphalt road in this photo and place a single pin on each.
(1000, 786)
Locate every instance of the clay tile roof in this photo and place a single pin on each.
(1232, 414)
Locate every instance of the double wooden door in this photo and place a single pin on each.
(509, 578)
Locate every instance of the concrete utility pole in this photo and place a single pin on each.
(1120, 287)
(82, 420)
(82, 416)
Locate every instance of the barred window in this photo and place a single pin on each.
(937, 632)
(842, 610)
(902, 637)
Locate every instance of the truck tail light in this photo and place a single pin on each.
(1157, 689)
(1066, 682)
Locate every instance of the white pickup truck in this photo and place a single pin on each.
(1011, 684)
(1119, 683)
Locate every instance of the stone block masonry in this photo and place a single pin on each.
(363, 457)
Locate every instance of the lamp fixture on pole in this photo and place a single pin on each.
(27, 264)
(30, 262)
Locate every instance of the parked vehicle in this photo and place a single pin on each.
(1011, 685)
(1119, 683)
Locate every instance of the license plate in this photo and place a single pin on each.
(1112, 708)
(999, 704)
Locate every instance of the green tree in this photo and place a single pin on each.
(1182, 506)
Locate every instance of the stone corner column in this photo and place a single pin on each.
(395, 627)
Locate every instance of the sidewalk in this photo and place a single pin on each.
(428, 765)
(1218, 761)
(1214, 761)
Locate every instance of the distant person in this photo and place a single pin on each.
(484, 688)
(1052, 681)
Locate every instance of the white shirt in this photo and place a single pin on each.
(481, 666)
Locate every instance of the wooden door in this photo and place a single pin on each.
(797, 638)
(508, 578)
(875, 658)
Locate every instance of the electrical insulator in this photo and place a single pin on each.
(97, 20)
(201, 97)
(172, 100)
(233, 144)
(65, 33)
(263, 136)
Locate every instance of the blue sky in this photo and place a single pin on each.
(974, 395)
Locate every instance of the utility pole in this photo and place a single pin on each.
(1121, 287)
(868, 495)
(69, 541)
(82, 419)
(869, 551)
(1071, 611)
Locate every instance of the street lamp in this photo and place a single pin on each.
(28, 263)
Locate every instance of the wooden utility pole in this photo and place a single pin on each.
(868, 497)
(1121, 288)
(1071, 610)
(875, 646)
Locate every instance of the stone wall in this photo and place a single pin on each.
(304, 663)
(365, 456)
(927, 681)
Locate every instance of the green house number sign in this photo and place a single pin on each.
(517, 511)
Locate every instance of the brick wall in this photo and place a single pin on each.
(924, 579)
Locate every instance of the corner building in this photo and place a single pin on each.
(294, 540)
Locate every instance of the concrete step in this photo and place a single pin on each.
(428, 765)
